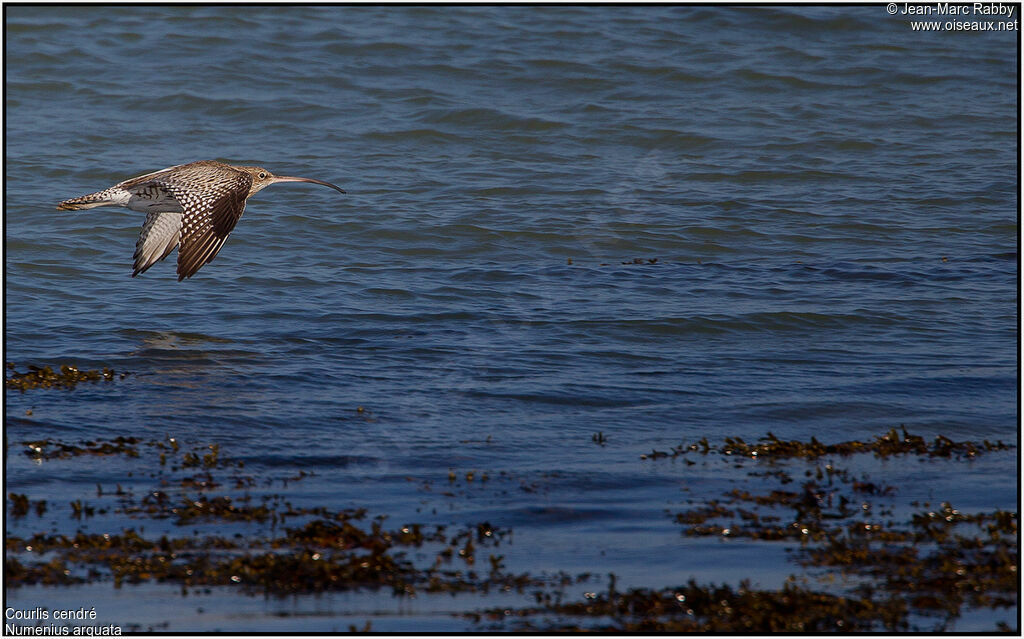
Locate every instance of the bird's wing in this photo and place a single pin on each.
(152, 197)
(209, 217)
(212, 198)
(158, 237)
(155, 176)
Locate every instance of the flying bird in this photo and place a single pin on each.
(190, 206)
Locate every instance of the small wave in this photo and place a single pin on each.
(662, 73)
(781, 82)
(758, 322)
(655, 138)
(414, 135)
(754, 177)
(310, 461)
(570, 398)
(490, 119)
(351, 49)
(819, 20)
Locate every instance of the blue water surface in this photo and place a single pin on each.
(660, 223)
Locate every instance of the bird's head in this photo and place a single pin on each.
(262, 178)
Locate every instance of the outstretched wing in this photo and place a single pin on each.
(205, 227)
(212, 198)
(159, 236)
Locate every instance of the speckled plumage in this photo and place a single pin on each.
(192, 206)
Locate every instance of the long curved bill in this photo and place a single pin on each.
(285, 178)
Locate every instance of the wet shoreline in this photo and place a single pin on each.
(861, 558)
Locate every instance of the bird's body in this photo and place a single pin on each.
(190, 206)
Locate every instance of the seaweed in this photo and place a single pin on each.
(924, 570)
(886, 445)
(897, 574)
(68, 377)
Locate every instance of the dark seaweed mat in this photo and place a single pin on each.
(322, 550)
(917, 574)
(66, 376)
(911, 575)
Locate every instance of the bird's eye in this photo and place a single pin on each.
(262, 175)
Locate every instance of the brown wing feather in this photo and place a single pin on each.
(205, 227)
(212, 197)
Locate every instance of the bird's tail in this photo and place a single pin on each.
(108, 197)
